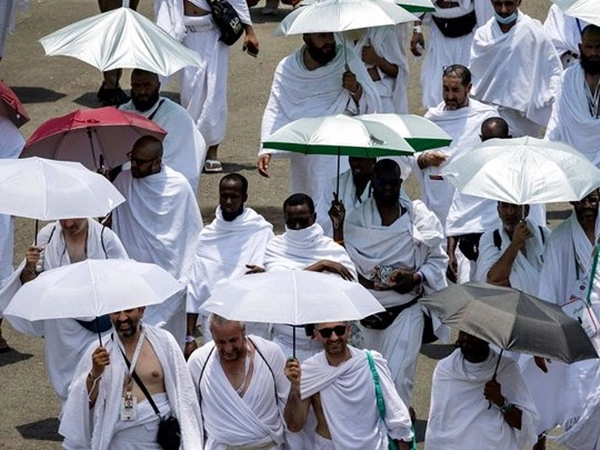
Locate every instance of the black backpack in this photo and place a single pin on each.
(227, 20)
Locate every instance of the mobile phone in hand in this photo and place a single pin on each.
(252, 52)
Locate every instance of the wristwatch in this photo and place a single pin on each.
(505, 407)
(189, 339)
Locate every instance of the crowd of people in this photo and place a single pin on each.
(490, 72)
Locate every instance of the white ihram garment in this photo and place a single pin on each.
(254, 420)
(464, 126)
(100, 428)
(184, 148)
(524, 89)
(298, 249)
(568, 254)
(297, 93)
(571, 121)
(159, 223)
(460, 418)
(65, 340)
(223, 250)
(412, 242)
(350, 388)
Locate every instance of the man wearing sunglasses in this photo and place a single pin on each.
(303, 246)
(396, 245)
(338, 383)
(159, 223)
(570, 274)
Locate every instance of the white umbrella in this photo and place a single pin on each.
(342, 15)
(92, 288)
(412, 6)
(45, 189)
(293, 297)
(119, 39)
(524, 171)
(588, 10)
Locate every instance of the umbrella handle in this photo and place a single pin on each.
(37, 225)
(97, 320)
(294, 341)
(337, 180)
(496, 372)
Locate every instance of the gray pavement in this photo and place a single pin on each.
(53, 86)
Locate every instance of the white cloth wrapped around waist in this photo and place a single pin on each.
(197, 24)
(141, 433)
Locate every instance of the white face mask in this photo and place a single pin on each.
(506, 20)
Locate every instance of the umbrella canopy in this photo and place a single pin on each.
(11, 107)
(92, 288)
(368, 135)
(43, 189)
(342, 15)
(119, 39)
(512, 320)
(412, 6)
(588, 10)
(92, 137)
(294, 297)
(524, 171)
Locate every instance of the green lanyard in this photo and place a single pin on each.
(593, 274)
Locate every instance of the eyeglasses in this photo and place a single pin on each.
(339, 330)
(300, 222)
(138, 161)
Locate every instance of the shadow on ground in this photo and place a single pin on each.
(41, 430)
(437, 352)
(12, 357)
(35, 94)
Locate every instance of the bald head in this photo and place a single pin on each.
(494, 128)
(590, 31)
(150, 145)
(146, 157)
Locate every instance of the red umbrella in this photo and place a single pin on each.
(94, 137)
(11, 106)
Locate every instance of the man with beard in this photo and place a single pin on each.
(576, 113)
(475, 406)
(159, 223)
(184, 146)
(570, 275)
(319, 79)
(58, 244)
(338, 384)
(237, 237)
(107, 408)
(516, 68)
(241, 388)
(396, 246)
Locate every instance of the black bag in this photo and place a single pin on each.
(227, 20)
(457, 26)
(469, 245)
(169, 433)
(382, 320)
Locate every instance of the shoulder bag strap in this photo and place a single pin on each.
(135, 376)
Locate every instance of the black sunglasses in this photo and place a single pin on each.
(339, 330)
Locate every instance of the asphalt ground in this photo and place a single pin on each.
(54, 86)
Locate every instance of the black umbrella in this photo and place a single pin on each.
(512, 320)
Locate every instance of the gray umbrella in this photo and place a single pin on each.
(512, 320)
